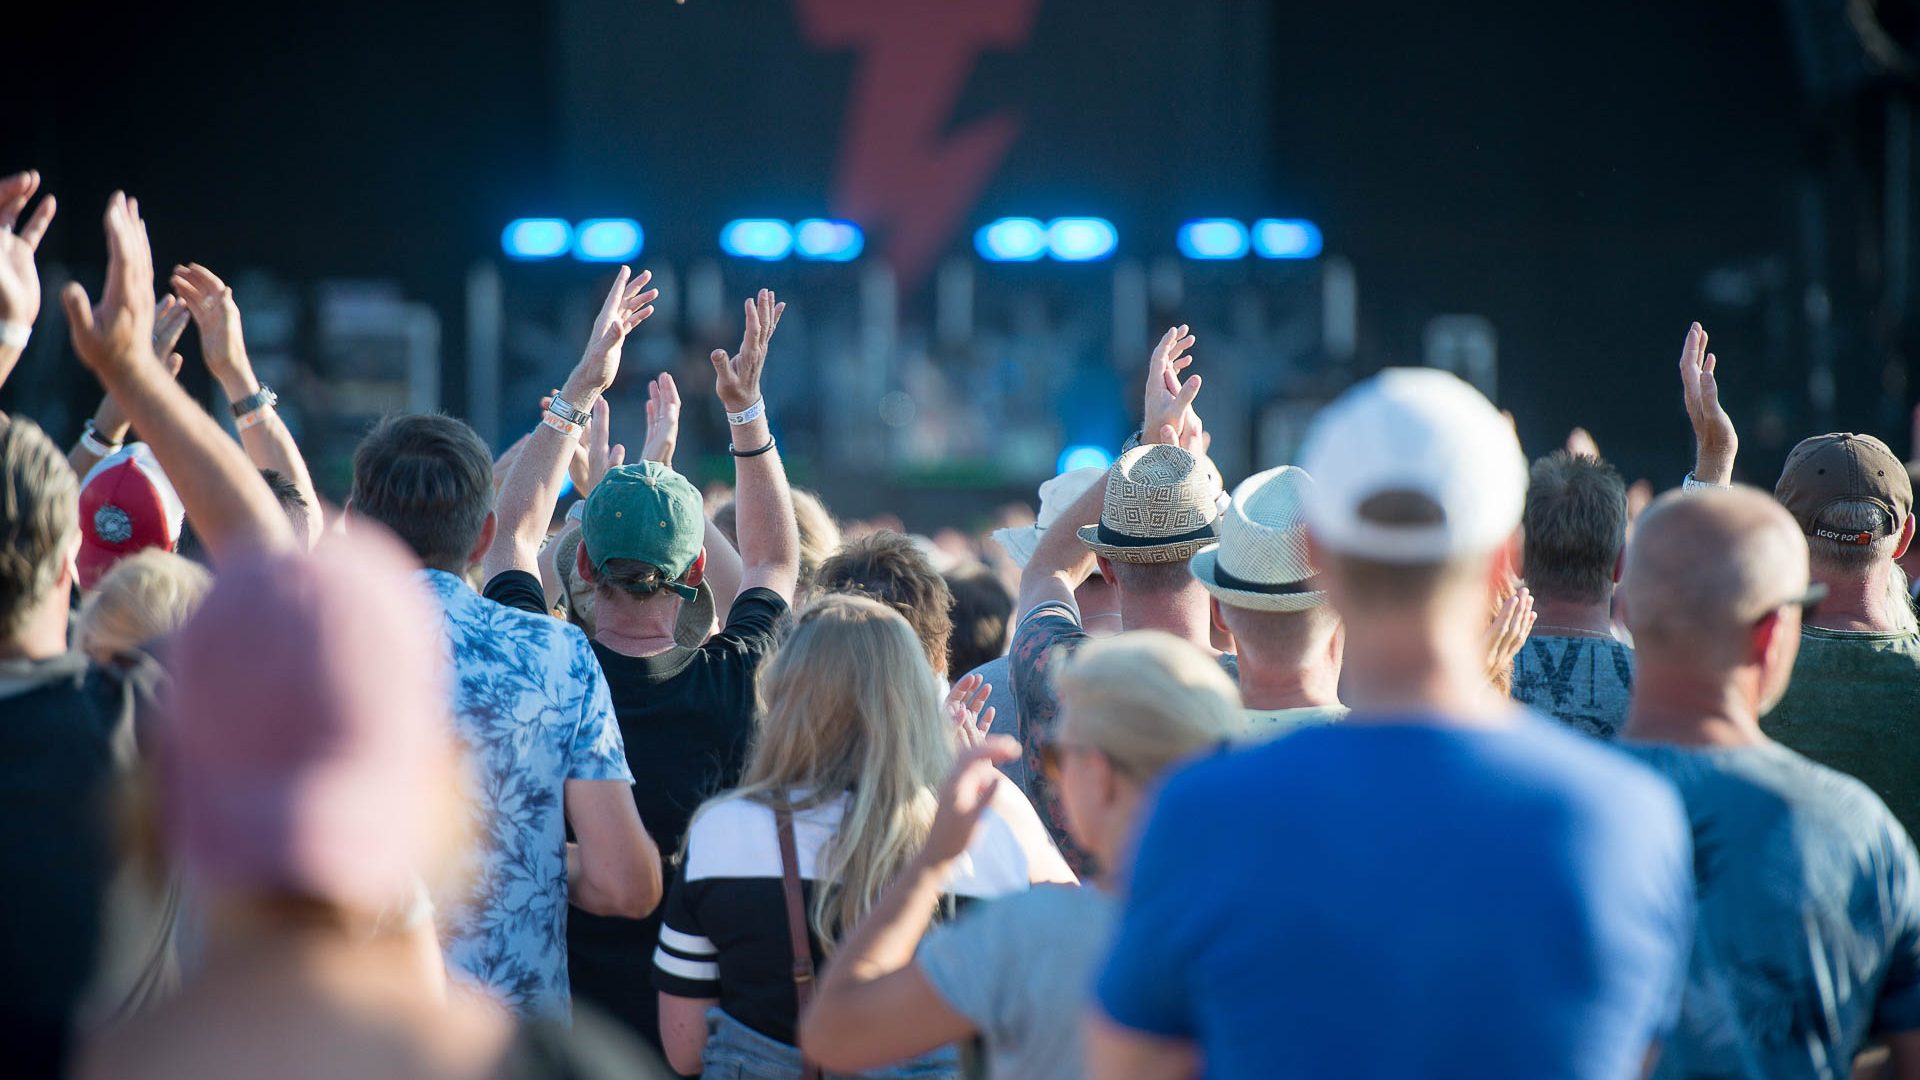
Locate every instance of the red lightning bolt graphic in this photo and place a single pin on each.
(900, 170)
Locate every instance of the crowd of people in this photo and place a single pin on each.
(1405, 759)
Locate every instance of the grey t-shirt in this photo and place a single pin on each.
(1808, 930)
(1583, 682)
(1021, 969)
(1006, 717)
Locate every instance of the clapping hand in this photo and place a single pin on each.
(663, 421)
(1168, 415)
(629, 303)
(1512, 621)
(115, 336)
(964, 707)
(218, 317)
(736, 378)
(595, 457)
(1713, 433)
(19, 278)
(965, 797)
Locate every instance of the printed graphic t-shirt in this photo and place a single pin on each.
(1583, 682)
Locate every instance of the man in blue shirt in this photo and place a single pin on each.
(1808, 939)
(1443, 885)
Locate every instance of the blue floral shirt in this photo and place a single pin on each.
(533, 712)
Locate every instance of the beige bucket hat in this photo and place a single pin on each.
(1162, 505)
(1261, 562)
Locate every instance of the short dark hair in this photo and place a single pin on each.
(39, 518)
(888, 567)
(430, 480)
(1576, 527)
(287, 494)
(982, 619)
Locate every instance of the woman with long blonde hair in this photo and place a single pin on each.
(850, 747)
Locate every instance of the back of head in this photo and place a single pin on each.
(145, 597)
(1284, 639)
(819, 535)
(849, 706)
(1419, 482)
(1851, 497)
(306, 751)
(982, 618)
(39, 520)
(888, 567)
(292, 503)
(429, 480)
(1147, 700)
(1575, 528)
(1702, 568)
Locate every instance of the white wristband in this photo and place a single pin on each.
(15, 334)
(564, 426)
(753, 412)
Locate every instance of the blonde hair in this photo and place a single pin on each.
(146, 596)
(1148, 701)
(849, 707)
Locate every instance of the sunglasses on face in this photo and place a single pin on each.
(1808, 602)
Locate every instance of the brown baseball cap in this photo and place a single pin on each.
(1827, 469)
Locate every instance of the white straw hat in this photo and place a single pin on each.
(1055, 496)
(1261, 562)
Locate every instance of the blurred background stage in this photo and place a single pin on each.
(984, 212)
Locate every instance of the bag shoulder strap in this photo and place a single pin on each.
(796, 917)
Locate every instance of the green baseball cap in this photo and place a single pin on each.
(648, 512)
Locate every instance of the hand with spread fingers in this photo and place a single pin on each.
(1715, 440)
(736, 378)
(971, 723)
(1168, 415)
(109, 420)
(663, 421)
(115, 336)
(965, 797)
(19, 278)
(628, 304)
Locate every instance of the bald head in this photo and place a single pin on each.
(1703, 567)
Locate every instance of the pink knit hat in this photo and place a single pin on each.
(309, 716)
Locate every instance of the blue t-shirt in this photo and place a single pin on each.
(1406, 899)
(532, 711)
(1809, 931)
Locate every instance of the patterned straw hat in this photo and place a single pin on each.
(1162, 505)
(1261, 562)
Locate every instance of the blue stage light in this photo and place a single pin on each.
(1081, 239)
(607, 240)
(535, 238)
(757, 238)
(1083, 457)
(1286, 238)
(1214, 238)
(1015, 239)
(828, 240)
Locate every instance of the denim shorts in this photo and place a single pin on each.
(735, 1051)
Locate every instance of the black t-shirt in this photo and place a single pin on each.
(65, 731)
(685, 716)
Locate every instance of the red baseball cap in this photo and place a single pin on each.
(126, 505)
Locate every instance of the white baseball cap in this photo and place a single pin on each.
(1422, 431)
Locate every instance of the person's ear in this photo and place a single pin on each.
(487, 529)
(1906, 538)
(695, 573)
(1106, 569)
(1765, 640)
(1619, 565)
(583, 566)
(1506, 562)
(1213, 612)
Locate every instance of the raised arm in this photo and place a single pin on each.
(532, 488)
(663, 438)
(1714, 439)
(107, 431)
(769, 536)
(19, 278)
(268, 443)
(228, 503)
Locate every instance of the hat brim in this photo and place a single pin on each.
(696, 619)
(1205, 566)
(1177, 551)
(1019, 544)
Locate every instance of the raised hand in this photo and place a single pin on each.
(1580, 443)
(1715, 440)
(116, 335)
(594, 457)
(628, 304)
(218, 317)
(965, 796)
(736, 378)
(1512, 621)
(1169, 401)
(663, 421)
(19, 278)
(970, 723)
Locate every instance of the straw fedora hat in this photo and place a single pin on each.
(1162, 505)
(1261, 562)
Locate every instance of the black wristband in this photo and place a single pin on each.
(736, 452)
